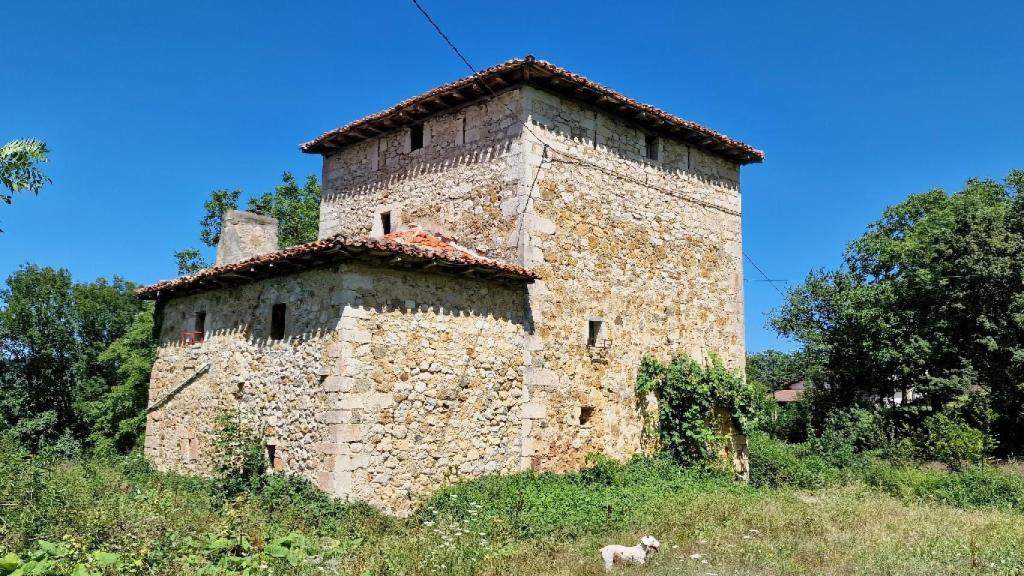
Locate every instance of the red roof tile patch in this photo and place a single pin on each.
(545, 75)
(401, 249)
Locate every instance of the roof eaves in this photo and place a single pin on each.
(543, 74)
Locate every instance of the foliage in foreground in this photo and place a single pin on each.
(116, 516)
(19, 167)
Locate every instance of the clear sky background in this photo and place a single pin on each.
(148, 106)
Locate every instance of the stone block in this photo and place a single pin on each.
(535, 411)
(337, 416)
(534, 376)
(343, 483)
(337, 383)
(357, 336)
(347, 432)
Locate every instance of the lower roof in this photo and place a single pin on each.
(409, 249)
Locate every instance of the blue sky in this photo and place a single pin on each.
(148, 106)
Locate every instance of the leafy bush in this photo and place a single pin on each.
(953, 443)
(689, 395)
(605, 496)
(238, 459)
(972, 487)
(775, 464)
(787, 422)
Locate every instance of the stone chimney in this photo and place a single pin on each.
(244, 235)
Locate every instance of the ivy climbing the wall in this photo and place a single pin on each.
(693, 400)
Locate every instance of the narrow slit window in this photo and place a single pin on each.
(463, 129)
(594, 332)
(277, 314)
(385, 222)
(200, 326)
(272, 456)
(416, 137)
(651, 146)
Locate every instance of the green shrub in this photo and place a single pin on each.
(902, 452)
(776, 464)
(973, 487)
(787, 422)
(690, 396)
(953, 443)
(605, 496)
(238, 459)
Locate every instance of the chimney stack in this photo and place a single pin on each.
(244, 235)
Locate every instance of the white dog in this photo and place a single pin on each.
(617, 554)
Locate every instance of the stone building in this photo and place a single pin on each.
(495, 258)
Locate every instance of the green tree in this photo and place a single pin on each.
(296, 208)
(52, 332)
(38, 348)
(117, 418)
(19, 167)
(220, 202)
(930, 298)
(190, 261)
(775, 369)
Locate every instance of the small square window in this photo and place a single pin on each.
(277, 314)
(385, 222)
(416, 137)
(586, 413)
(594, 328)
(651, 146)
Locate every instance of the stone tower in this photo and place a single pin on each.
(496, 257)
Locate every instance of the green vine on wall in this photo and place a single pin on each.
(691, 400)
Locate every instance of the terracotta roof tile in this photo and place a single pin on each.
(543, 74)
(412, 247)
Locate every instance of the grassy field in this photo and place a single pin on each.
(115, 516)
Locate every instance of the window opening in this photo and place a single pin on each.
(594, 332)
(416, 137)
(651, 142)
(277, 322)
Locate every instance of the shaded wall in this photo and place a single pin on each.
(387, 383)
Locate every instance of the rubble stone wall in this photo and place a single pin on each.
(463, 182)
(387, 384)
(651, 249)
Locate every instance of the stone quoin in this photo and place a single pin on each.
(495, 258)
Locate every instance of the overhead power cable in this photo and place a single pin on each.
(582, 161)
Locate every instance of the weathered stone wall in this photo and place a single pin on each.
(652, 248)
(390, 383)
(387, 383)
(463, 181)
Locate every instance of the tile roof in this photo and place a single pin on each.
(544, 75)
(410, 249)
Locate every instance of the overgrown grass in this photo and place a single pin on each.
(810, 516)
